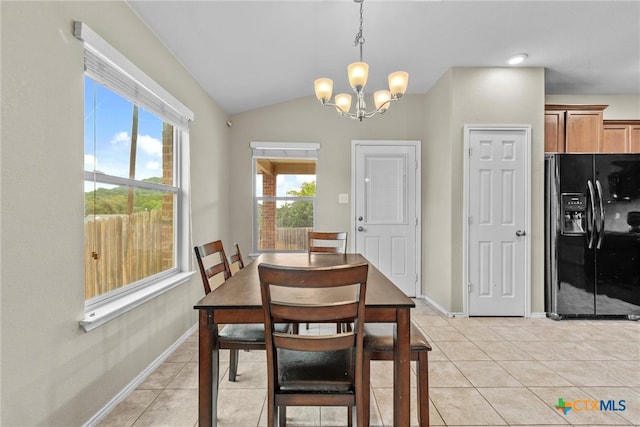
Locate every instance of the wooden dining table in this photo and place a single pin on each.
(238, 300)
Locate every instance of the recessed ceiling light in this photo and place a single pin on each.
(517, 59)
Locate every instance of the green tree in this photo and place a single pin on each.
(114, 201)
(307, 189)
(297, 214)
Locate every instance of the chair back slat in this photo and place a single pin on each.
(321, 277)
(327, 242)
(321, 313)
(333, 342)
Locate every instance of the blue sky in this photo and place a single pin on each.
(285, 183)
(107, 142)
(112, 134)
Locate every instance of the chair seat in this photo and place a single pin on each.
(249, 332)
(315, 371)
(378, 337)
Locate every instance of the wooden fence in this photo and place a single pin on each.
(288, 239)
(128, 248)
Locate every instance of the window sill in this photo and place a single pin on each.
(98, 316)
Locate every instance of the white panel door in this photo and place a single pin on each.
(497, 217)
(386, 217)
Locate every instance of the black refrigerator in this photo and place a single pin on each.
(592, 235)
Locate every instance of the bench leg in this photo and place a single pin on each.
(422, 370)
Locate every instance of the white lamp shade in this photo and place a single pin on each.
(398, 82)
(324, 88)
(381, 98)
(343, 102)
(358, 72)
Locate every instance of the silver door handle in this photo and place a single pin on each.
(592, 224)
(520, 233)
(601, 204)
(360, 229)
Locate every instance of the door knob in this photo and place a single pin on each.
(360, 229)
(520, 233)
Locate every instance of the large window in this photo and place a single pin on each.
(284, 196)
(130, 192)
(135, 184)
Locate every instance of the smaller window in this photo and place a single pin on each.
(284, 196)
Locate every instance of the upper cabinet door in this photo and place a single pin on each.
(573, 128)
(615, 139)
(621, 136)
(583, 131)
(634, 137)
(554, 131)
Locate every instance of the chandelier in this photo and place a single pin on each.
(358, 72)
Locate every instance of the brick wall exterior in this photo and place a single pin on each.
(269, 213)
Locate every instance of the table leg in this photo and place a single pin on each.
(402, 369)
(208, 370)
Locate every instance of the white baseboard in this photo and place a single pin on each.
(98, 416)
(441, 309)
(542, 315)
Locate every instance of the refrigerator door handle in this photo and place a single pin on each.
(601, 206)
(592, 199)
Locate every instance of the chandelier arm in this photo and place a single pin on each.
(381, 109)
(360, 114)
(341, 111)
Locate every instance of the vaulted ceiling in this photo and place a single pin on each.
(251, 54)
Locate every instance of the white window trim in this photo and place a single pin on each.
(99, 312)
(157, 100)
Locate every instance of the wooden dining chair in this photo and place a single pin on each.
(327, 242)
(215, 270)
(314, 370)
(378, 345)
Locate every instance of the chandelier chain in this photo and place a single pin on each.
(359, 40)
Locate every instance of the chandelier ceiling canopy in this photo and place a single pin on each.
(357, 73)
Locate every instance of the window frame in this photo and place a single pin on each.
(134, 85)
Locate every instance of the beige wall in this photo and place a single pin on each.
(499, 96)
(52, 372)
(474, 96)
(437, 193)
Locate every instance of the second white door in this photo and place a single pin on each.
(498, 196)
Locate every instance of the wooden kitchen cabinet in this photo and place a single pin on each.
(573, 128)
(621, 136)
(554, 131)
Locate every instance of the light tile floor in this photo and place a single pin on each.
(482, 372)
